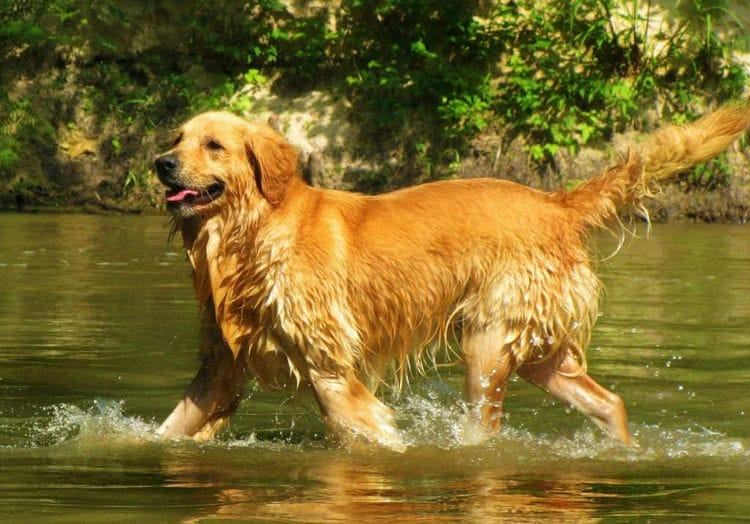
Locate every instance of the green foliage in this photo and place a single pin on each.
(709, 176)
(563, 74)
(425, 61)
(135, 179)
(423, 76)
(23, 133)
(20, 128)
(571, 77)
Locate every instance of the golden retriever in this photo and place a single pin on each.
(335, 292)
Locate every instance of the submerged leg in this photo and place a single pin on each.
(352, 412)
(488, 366)
(210, 400)
(560, 376)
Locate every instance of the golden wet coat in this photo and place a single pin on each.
(336, 292)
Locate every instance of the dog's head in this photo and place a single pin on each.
(218, 159)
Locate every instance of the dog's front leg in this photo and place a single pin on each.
(214, 394)
(209, 401)
(352, 412)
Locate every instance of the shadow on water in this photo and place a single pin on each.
(100, 308)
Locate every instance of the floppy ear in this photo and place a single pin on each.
(274, 161)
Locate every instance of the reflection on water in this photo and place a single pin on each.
(98, 340)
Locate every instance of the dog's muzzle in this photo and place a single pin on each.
(167, 169)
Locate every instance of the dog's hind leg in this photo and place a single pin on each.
(488, 365)
(562, 377)
(352, 412)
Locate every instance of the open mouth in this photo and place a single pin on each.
(186, 196)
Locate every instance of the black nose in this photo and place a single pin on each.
(166, 167)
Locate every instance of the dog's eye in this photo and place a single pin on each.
(214, 145)
(177, 140)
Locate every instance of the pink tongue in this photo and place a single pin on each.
(181, 195)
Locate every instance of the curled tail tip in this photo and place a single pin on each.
(734, 115)
(743, 112)
(742, 104)
(664, 153)
(675, 148)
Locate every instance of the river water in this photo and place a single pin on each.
(98, 340)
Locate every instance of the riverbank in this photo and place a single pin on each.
(329, 161)
(375, 97)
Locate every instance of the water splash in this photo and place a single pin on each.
(105, 423)
(427, 420)
(105, 420)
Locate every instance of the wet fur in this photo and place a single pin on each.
(336, 292)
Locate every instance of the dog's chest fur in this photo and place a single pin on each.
(263, 307)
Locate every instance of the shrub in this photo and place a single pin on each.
(423, 76)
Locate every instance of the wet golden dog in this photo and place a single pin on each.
(335, 292)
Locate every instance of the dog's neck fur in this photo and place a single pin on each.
(234, 274)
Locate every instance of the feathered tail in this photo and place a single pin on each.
(665, 153)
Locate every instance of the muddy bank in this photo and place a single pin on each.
(320, 127)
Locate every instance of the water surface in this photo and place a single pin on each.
(98, 341)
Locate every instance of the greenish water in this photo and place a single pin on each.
(98, 341)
